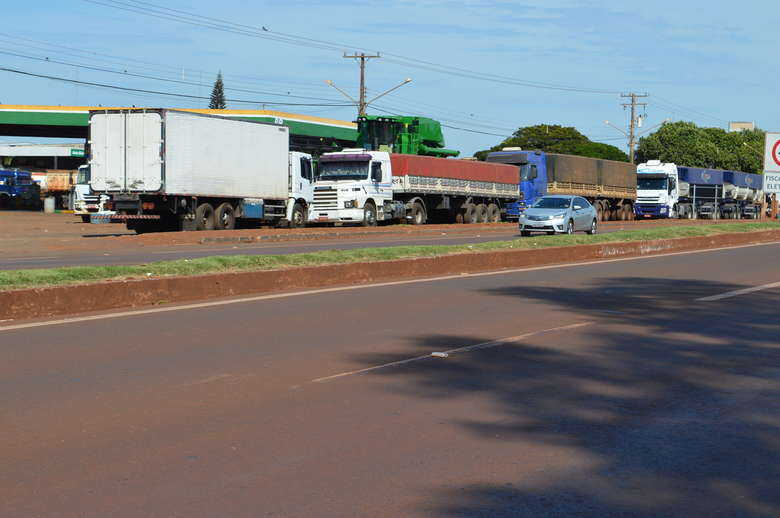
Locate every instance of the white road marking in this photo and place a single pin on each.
(484, 345)
(736, 293)
(216, 303)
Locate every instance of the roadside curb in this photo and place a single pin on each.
(84, 298)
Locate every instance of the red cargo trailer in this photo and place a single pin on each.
(362, 186)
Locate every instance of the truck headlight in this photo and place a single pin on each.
(350, 204)
(663, 209)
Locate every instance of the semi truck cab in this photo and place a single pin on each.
(85, 203)
(17, 189)
(657, 190)
(533, 177)
(354, 186)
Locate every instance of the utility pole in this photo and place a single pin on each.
(362, 98)
(633, 124)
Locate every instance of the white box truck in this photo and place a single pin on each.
(175, 170)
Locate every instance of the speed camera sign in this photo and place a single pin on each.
(772, 153)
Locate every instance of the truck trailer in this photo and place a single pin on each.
(173, 170)
(366, 187)
(17, 190)
(666, 190)
(608, 185)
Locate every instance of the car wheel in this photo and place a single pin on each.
(570, 227)
(594, 228)
(525, 233)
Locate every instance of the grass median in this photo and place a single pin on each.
(36, 278)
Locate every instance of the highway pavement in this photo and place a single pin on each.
(139, 255)
(639, 387)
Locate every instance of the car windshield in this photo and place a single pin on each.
(651, 184)
(343, 170)
(552, 203)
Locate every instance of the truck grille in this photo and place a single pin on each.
(325, 199)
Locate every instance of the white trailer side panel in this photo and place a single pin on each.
(209, 156)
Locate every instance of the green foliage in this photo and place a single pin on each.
(218, 94)
(685, 143)
(557, 139)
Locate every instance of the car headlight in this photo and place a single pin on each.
(558, 216)
(350, 204)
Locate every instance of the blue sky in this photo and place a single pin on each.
(709, 62)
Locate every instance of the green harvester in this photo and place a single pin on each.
(402, 134)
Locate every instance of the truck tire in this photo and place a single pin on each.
(298, 216)
(204, 217)
(480, 213)
(599, 212)
(493, 213)
(86, 218)
(418, 214)
(469, 211)
(225, 217)
(369, 215)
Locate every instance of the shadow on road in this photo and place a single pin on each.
(666, 406)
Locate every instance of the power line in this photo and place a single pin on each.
(161, 12)
(144, 76)
(156, 92)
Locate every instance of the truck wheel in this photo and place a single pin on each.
(469, 211)
(298, 217)
(493, 213)
(418, 214)
(204, 217)
(86, 218)
(225, 217)
(369, 215)
(594, 227)
(480, 213)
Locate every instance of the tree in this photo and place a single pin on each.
(218, 94)
(557, 139)
(685, 143)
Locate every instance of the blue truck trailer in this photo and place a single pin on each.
(666, 190)
(18, 190)
(608, 185)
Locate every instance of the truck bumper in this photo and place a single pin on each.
(336, 216)
(648, 210)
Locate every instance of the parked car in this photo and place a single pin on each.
(559, 214)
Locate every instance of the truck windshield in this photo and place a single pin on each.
(525, 172)
(83, 176)
(552, 203)
(651, 184)
(343, 170)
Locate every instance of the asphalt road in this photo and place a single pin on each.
(607, 389)
(135, 255)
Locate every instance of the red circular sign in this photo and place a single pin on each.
(775, 154)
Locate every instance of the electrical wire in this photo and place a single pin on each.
(161, 12)
(140, 90)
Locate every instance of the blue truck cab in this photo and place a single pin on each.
(533, 177)
(17, 189)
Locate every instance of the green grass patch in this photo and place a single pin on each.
(15, 279)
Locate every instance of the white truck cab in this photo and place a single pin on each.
(657, 190)
(354, 186)
(85, 203)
